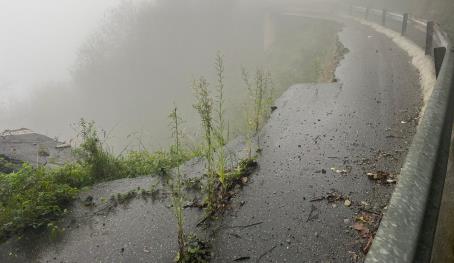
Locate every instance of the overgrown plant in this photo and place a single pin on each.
(177, 193)
(249, 133)
(220, 132)
(204, 106)
(260, 94)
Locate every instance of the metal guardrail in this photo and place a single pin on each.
(407, 231)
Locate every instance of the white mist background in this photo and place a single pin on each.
(39, 42)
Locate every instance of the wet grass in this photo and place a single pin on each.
(34, 197)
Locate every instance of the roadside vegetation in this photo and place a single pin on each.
(260, 94)
(34, 197)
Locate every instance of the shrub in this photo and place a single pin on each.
(145, 163)
(92, 153)
(31, 198)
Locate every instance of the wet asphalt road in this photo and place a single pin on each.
(364, 123)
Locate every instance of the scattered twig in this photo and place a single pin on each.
(235, 235)
(246, 226)
(204, 219)
(318, 199)
(266, 252)
(394, 136)
(242, 259)
(369, 211)
(311, 216)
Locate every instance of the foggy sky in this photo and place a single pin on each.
(39, 39)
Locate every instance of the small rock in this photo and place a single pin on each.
(346, 221)
(244, 180)
(316, 234)
(347, 203)
(323, 171)
(89, 201)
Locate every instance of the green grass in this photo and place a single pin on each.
(35, 197)
(32, 198)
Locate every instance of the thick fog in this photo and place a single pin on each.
(38, 40)
(124, 64)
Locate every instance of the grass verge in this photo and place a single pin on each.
(34, 197)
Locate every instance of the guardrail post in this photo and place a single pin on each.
(404, 24)
(383, 18)
(429, 37)
(367, 13)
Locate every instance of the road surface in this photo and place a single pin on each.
(321, 142)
